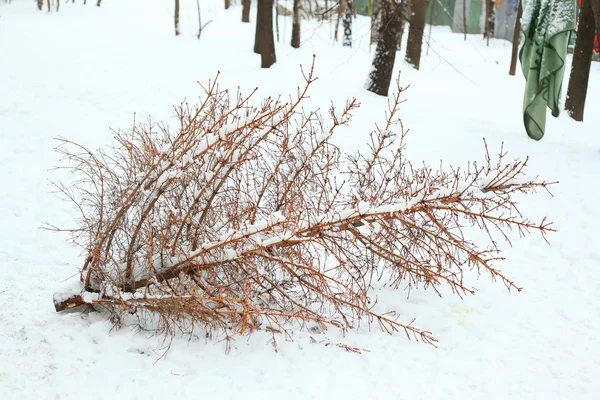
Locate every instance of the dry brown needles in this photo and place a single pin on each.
(249, 217)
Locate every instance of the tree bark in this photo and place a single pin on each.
(227, 4)
(582, 59)
(596, 10)
(415, 32)
(40, 4)
(245, 10)
(516, 38)
(385, 54)
(259, 23)
(98, 3)
(347, 24)
(177, 17)
(63, 304)
(265, 42)
(465, 25)
(296, 25)
(488, 32)
(375, 20)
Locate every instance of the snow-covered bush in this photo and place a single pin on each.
(245, 218)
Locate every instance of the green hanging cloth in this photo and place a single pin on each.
(546, 25)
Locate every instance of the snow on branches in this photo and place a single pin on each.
(249, 217)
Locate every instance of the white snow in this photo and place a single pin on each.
(80, 71)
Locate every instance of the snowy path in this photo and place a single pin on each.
(79, 72)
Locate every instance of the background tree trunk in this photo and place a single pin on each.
(266, 40)
(415, 32)
(596, 10)
(227, 4)
(245, 10)
(582, 59)
(98, 3)
(465, 26)
(296, 25)
(40, 4)
(488, 32)
(259, 23)
(375, 20)
(515, 43)
(347, 23)
(385, 54)
(177, 17)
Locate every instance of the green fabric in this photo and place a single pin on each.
(546, 26)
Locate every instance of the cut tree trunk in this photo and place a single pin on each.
(516, 38)
(245, 10)
(66, 303)
(296, 25)
(385, 54)
(582, 59)
(415, 32)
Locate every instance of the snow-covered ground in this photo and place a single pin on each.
(79, 72)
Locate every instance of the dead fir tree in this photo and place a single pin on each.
(415, 32)
(516, 39)
(582, 60)
(246, 10)
(177, 32)
(347, 23)
(264, 40)
(296, 24)
(248, 217)
(385, 54)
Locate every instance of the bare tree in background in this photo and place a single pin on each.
(264, 41)
(296, 25)
(582, 60)
(489, 20)
(347, 23)
(596, 10)
(227, 4)
(415, 32)
(177, 18)
(40, 4)
(245, 10)
(515, 43)
(98, 3)
(387, 40)
(375, 19)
